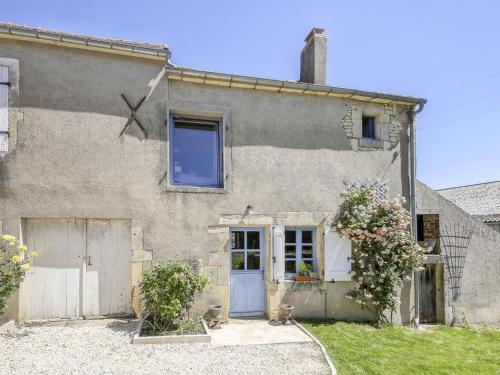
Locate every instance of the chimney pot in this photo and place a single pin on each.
(313, 57)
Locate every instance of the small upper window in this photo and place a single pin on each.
(195, 152)
(368, 127)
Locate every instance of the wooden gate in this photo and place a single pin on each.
(428, 294)
(82, 268)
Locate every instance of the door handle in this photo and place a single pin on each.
(89, 261)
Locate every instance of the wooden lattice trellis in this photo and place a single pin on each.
(379, 186)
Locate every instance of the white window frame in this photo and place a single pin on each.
(219, 151)
(298, 249)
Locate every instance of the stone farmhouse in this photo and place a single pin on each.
(112, 157)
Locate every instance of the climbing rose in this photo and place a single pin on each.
(383, 251)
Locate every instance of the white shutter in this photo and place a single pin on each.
(278, 240)
(337, 256)
(4, 109)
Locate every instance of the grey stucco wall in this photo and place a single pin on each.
(283, 152)
(480, 296)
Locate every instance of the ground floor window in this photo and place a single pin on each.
(300, 246)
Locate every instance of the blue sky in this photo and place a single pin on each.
(446, 51)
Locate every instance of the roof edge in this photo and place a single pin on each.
(275, 85)
(468, 185)
(123, 47)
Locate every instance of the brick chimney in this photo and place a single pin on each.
(313, 58)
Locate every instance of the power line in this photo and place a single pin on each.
(467, 85)
(425, 114)
(460, 118)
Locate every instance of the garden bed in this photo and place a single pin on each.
(198, 334)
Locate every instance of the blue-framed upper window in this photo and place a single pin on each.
(195, 152)
(369, 127)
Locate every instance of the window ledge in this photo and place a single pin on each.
(302, 282)
(370, 142)
(194, 189)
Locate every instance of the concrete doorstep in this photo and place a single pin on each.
(257, 331)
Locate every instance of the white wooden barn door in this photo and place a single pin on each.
(247, 285)
(107, 280)
(82, 268)
(53, 284)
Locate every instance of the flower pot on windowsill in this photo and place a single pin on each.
(303, 278)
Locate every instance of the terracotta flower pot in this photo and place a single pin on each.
(303, 278)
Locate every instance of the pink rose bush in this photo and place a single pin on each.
(384, 253)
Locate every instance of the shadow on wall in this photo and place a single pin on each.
(325, 301)
(92, 82)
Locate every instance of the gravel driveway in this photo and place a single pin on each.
(105, 349)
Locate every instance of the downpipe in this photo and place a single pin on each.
(413, 201)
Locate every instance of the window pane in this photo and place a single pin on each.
(290, 266)
(237, 260)
(307, 236)
(309, 263)
(195, 154)
(253, 260)
(237, 240)
(368, 127)
(290, 236)
(307, 251)
(253, 240)
(290, 251)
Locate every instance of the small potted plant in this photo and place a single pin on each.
(305, 271)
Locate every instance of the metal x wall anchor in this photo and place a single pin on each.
(132, 117)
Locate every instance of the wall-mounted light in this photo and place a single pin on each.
(249, 210)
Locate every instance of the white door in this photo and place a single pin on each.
(62, 283)
(107, 276)
(53, 284)
(248, 290)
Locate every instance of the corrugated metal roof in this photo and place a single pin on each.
(480, 200)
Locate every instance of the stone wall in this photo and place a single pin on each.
(431, 226)
(479, 299)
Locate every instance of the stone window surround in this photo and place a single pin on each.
(313, 220)
(387, 128)
(208, 111)
(218, 266)
(15, 115)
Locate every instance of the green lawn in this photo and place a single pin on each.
(362, 349)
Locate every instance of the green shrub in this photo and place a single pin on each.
(14, 262)
(168, 291)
